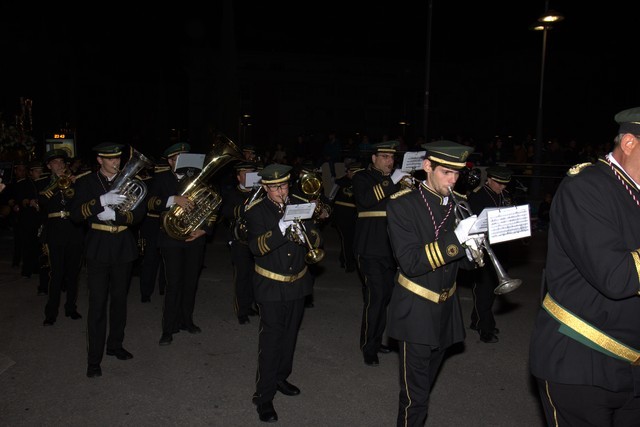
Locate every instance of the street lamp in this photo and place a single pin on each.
(544, 24)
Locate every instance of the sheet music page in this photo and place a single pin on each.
(412, 161)
(189, 160)
(509, 223)
(300, 211)
(252, 179)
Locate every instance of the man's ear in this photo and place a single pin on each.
(628, 143)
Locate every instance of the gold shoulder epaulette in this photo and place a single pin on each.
(401, 193)
(575, 170)
(83, 174)
(255, 202)
(161, 168)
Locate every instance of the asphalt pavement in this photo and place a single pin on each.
(207, 379)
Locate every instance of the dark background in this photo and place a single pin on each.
(144, 75)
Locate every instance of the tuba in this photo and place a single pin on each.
(178, 223)
(126, 183)
(505, 283)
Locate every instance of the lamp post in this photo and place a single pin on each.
(544, 24)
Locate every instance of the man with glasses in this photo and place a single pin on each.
(281, 283)
(376, 264)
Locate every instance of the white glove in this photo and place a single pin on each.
(397, 175)
(107, 214)
(112, 198)
(474, 247)
(284, 225)
(462, 230)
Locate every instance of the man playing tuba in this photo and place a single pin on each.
(182, 258)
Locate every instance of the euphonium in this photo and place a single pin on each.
(179, 223)
(505, 283)
(126, 184)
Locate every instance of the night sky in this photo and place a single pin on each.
(592, 56)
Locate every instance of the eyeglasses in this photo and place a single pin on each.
(276, 187)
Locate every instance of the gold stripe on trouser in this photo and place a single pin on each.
(109, 228)
(424, 292)
(280, 277)
(590, 332)
(555, 411)
(61, 214)
(371, 214)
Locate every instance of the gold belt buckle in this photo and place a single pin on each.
(113, 229)
(444, 295)
(64, 214)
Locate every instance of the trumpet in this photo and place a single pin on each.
(296, 233)
(506, 284)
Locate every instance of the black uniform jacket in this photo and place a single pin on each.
(344, 213)
(119, 246)
(54, 205)
(371, 191)
(164, 185)
(277, 254)
(429, 262)
(234, 203)
(593, 270)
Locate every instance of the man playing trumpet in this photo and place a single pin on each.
(424, 311)
(281, 283)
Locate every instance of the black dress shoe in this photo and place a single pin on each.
(384, 349)
(243, 320)
(309, 304)
(192, 329)
(120, 353)
(488, 337)
(253, 312)
(371, 360)
(288, 389)
(267, 413)
(94, 371)
(473, 326)
(166, 339)
(74, 315)
(145, 299)
(49, 321)
(41, 292)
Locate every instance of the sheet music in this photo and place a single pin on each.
(299, 211)
(252, 179)
(190, 160)
(504, 223)
(412, 161)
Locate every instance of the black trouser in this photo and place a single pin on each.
(378, 275)
(347, 233)
(243, 271)
(65, 261)
(108, 284)
(584, 405)
(31, 247)
(419, 365)
(279, 325)
(151, 269)
(485, 281)
(182, 269)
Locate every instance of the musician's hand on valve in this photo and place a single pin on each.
(462, 230)
(112, 198)
(107, 214)
(298, 230)
(284, 225)
(184, 202)
(398, 175)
